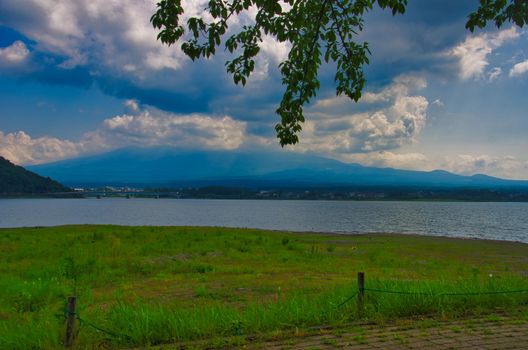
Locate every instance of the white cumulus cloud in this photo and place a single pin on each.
(519, 69)
(115, 36)
(438, 103)
(502, 166)
(472, 53)
(20, 148)
(402, 85)
(165, 129)
(104, 33)
(272, 52)
(146, 127)
(380, 129)
(464, 164)
(15, 53)
(132, 105)
(494, 74)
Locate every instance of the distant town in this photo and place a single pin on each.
(312, 193)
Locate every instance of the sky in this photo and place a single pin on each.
(82, 77)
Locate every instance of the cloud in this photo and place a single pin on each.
(473, 52)
(438, 103)
(519, 69)
(132, 105)
(112, 45)
(101, 33)
(503, 166)
(165, 129)
(20, 148)
(380, 129)
(401, 85)
(272, 51)
(369, 139)
(147, 127)
(494, 74)
(413, 161)
(15, 53)
(111, 35)
(463, 164)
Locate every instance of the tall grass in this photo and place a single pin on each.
(437, 297)
(140, 324)
(27, 333)
(154, 285)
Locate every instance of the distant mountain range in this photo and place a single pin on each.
(169, 167)
(17, 180)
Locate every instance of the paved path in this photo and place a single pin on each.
(504, 332)
(487, 333)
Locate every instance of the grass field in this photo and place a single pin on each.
(156, 285)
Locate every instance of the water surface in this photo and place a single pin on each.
(504, 221)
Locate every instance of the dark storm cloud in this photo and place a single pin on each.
(411, 42)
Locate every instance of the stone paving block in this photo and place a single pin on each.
(423, 344)
(484, 335)
(443, 341)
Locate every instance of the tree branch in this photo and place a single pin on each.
(340, 33)
(312, 47)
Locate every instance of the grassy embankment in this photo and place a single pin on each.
(155, 285)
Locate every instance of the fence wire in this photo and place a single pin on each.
(82, 322)
(446, 293)
(518, 291)
(351, 297)
(346, 300)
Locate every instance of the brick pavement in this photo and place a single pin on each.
(486, 333)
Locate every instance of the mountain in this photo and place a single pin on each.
(17, 180)
(169, 167)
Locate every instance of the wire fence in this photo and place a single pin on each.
(359, 295)
(347, 300)
(362, 289)
(83, 322)
(446, 293)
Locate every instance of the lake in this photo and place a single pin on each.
(504, 221)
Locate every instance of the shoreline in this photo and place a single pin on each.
(373, 200)
(305, 233)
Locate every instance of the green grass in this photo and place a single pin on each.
(157, 285)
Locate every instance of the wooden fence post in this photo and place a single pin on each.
(361, 291)
(71, 315)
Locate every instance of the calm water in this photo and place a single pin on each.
(505, 221)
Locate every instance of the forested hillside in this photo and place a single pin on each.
(17, 180)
